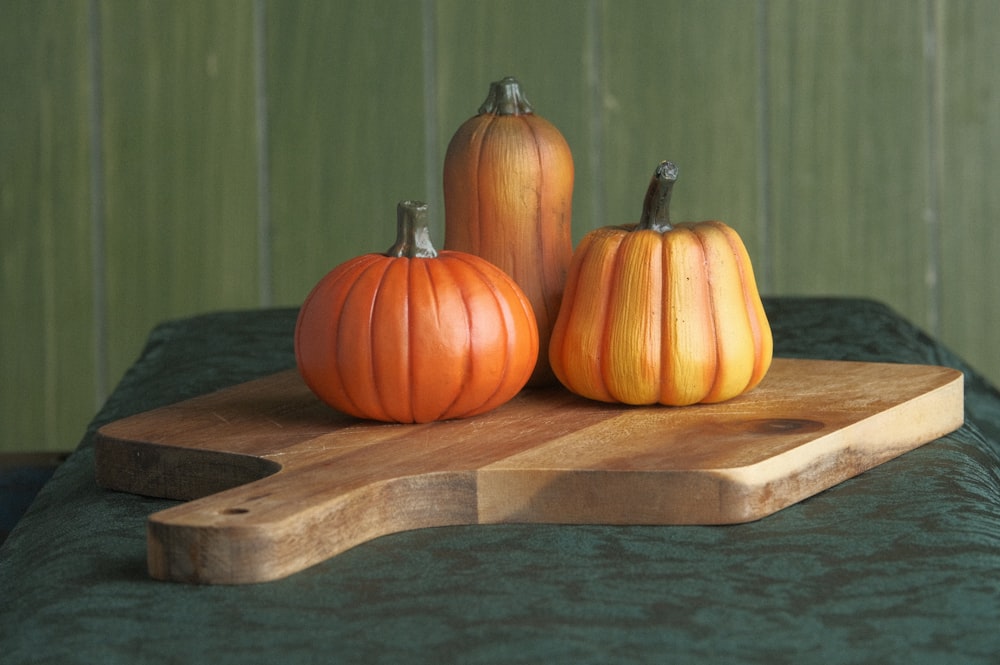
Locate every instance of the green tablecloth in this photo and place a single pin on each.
(898, 565)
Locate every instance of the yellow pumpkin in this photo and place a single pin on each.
(664, 313)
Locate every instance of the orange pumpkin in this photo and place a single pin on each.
(508, 195)
(661, 313)
(413, 335)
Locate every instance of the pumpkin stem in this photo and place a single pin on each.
(413, 238)
(656, 206)
(505, 98)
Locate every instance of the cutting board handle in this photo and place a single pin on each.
(287, 522)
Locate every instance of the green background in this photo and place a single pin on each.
(164, 158)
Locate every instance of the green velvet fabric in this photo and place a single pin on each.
(898, 565)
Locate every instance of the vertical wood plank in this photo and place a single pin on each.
(970, 199)
(680, 82)
(345, 82)
(848, 150)
(46, 331)
(180, 163)
(542, 43)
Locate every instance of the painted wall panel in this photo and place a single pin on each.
(969, 222)
(680, 81)
(245, 148)
(346, 127)
(847, 151)
(47, 366)
(179, 164)
(546, 46)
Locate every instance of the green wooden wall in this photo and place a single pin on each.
(163, 158)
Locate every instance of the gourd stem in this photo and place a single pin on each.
(506, 98)
(656, 206)
(413, 238)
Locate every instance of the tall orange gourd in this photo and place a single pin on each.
(508, 193)
(664, 313)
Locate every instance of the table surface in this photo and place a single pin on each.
(900, 564)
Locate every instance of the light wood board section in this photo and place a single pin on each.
(287, 482)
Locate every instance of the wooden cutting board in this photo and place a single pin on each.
(276, 481)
